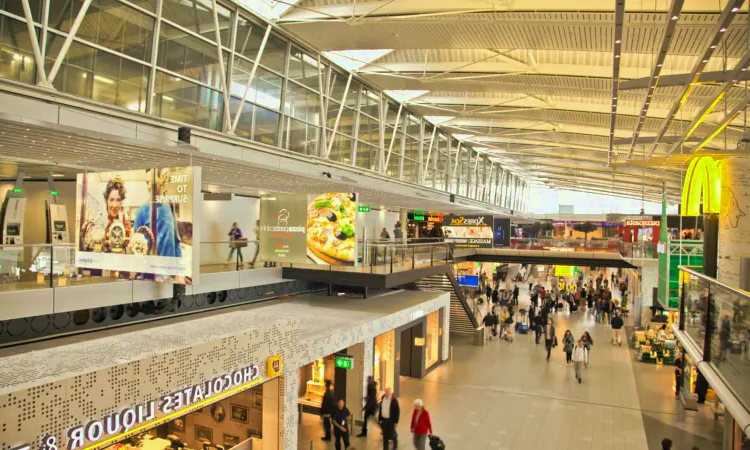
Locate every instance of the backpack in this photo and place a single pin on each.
(436, 443)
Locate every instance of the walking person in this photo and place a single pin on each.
(568, 345)
(257, 244)
(326, 409)
(371, 404)
(617, 324)
(384, 235)
(388, 418)
(579, 357)
(489, 322)
(502, 319)
(421, 426)
(549, 337)
(340, 418)
(531, 283)
(235, 234)
(587, 342)
(701, 387)
(515, 295)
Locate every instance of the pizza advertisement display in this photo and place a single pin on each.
(468, 231)
(283, 228)
(331, 225)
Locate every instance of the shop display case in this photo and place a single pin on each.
(385, 359)
(432, 339)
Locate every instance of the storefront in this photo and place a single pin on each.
(328, 372)
(424, 224)
(641, 230)
(469, 231)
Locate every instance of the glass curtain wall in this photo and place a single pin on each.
(160, 58)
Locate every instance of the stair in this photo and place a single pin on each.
(460, 319)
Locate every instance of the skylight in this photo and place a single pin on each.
(270, 9)
(404, 96)
(437, 120)
(353, 60)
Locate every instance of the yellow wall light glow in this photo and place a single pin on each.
(703, 178)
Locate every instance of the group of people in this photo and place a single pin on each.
(388, 411)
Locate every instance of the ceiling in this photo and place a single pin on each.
(534, 83)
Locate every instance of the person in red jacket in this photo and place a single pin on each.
(420, 425)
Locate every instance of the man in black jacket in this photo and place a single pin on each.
(515, 295)
(326, 409)
(371, 404)
(617, 324)
(388, 418)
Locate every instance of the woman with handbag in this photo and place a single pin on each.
(568, 344)
(550, 340)
(235, 235)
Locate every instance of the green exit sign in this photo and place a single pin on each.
(419, 211)
(344, 362)
(418, 218)
(363, 208)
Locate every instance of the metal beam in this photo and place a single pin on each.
(250, 80)
(682, 79)
(35, 45)
(222, 73)
(463, 66)
(393, 135)
(617, 47)
(650, 139)
(701, 116)
(338, 116)
(672, 16)
(321, 95)
(725, 19)
(68, 40)
(429, 150)
(724, 122)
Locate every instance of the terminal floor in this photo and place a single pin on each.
(506, 396)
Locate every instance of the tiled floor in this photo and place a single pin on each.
(506, 396)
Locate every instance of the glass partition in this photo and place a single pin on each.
(695, 292)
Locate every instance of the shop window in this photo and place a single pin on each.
(99, 75)
(181, 100)
(432, 339)
(16, 54)
(384, 368)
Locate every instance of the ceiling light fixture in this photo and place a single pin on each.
(675, 17)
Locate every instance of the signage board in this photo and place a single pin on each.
(566, 271)
(139, 224)
(331, 225)
(425, 216)
(501, 232)
(283, 228)
(275, 366)
(468, 231)
(642, 223)
(344, 362)
(467, 280)
(363, 208)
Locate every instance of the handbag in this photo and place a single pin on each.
(554, 342)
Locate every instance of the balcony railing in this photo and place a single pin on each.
(716, 317)
(626, 249)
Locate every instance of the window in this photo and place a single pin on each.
(346, 121)
(369, 103)
(16, 7)
(189, 56)
(250, 36)
(302, 103)
(304, 69)
(301, 137)
(341, 149)
(184, 101)
(367, 156)
(99, 75)
(266, 129)
(16, 55)
(265, 89)
(369, 130)
(197, 16)
(338, 87)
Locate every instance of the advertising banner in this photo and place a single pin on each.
(283, 226)
(566, 271)
(139, 224)
(331, 225)
(468, 231)
(501, 232)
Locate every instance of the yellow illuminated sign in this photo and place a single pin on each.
(703, 178)
(274, 366)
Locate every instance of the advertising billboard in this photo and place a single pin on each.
(468, 231)
(501, 232)
(283, 226)
(331, 225)
(139, 224)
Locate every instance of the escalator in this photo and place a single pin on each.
(463, 317)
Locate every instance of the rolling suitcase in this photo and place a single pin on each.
(436, 443)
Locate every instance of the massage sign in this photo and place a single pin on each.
(138, 418)
(468, 231)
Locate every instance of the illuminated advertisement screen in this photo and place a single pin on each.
(468, 231)
(566, 271)
(467, 280)
(331, 222)
(501, 232)
(139, 224)
(283, 228)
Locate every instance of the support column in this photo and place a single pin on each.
(710, 245)
(649, 280)
(356, 386)
(734, 220)
(403, 218)
(273, 418)
(288, 395)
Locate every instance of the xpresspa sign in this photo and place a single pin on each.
(137, 418)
